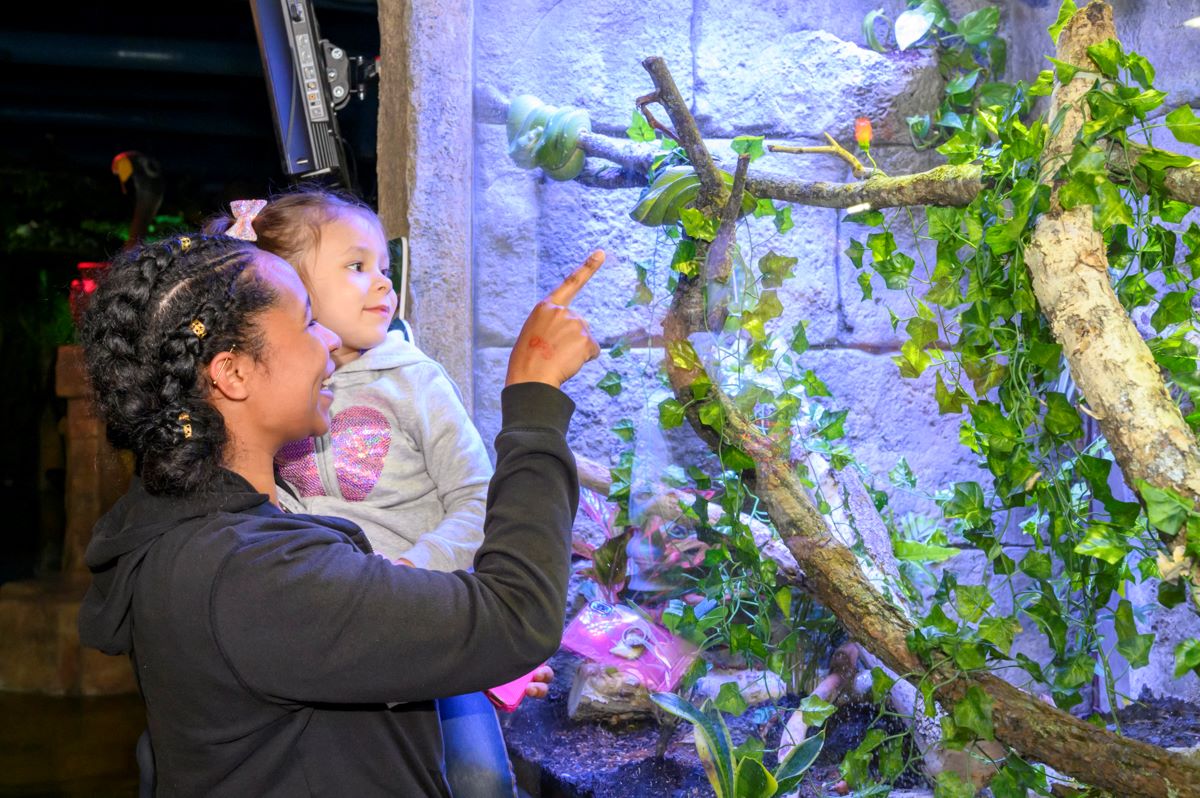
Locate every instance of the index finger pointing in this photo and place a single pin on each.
(576, 280)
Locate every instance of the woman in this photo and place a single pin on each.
(266, 644)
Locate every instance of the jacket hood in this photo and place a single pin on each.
(121, 540)
(395, 351)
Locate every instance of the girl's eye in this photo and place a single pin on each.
(356, 266)
(387, 273)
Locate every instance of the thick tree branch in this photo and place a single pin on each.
(1108, 359)
(951, 186)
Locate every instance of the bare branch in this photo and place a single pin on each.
(712, 189)
(833, 148)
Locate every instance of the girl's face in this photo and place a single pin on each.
(349, 278)
(290, 397)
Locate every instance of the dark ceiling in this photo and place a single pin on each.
(180, 81)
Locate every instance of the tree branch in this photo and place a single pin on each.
(1108, 359)
(951, 186)
(712, 189)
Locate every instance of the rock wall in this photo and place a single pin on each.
(786, 70)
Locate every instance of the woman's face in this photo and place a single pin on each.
(289, 396)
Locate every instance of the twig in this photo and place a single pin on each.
(833, 148)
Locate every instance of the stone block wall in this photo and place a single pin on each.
(789, 71)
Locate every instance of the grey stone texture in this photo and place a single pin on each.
(570, 52)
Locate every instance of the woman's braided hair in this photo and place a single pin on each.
(158, 317)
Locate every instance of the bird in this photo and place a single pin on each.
(147, 177)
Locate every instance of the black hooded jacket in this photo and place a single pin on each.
(269, 646)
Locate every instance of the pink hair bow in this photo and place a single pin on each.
(244, 212)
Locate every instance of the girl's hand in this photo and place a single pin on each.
(555, 342)
(540, 686)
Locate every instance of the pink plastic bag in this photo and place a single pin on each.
(620, 637)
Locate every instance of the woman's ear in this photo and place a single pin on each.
(227, 374)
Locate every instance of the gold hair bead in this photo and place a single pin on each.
(198, 328)
(185, 243)
(187, 428)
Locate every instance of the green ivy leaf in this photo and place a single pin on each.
(748, 145)
(610, 383)
(1187, 657)
(972, 601)
(948, 401)
(1036, 564)
(1065, 12)
(974, 712)
(1104, 542)
(799, 339)
(639, 129)
(1062, 420)
(1134, 647)
(912, 551)
(776, 268)
(1184, 125)
(783, 220)
(902, 475)
(1110, 207)
(1166, 509)
(624, 429)
(966, 502)
(1174, 308)
(979, 25)
(684, 356)
(832, 425)
(912, 360)
(1077, 672)
(713, 415)
(1000, 632)
(670, 414)
(684, 260)
(697, 225)
(813, 385)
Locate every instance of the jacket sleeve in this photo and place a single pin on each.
(458, 464)
(301, 615)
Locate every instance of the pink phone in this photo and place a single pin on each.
(508, 696)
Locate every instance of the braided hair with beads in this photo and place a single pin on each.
(160, 314)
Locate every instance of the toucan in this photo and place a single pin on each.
(146, 174)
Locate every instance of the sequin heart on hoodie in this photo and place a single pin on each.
(360, 437)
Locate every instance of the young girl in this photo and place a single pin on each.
(270, 647)
(401, 444)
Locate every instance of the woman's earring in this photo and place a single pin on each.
(224, 366)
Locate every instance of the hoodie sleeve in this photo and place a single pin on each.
(301, 615)
(458, 464)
